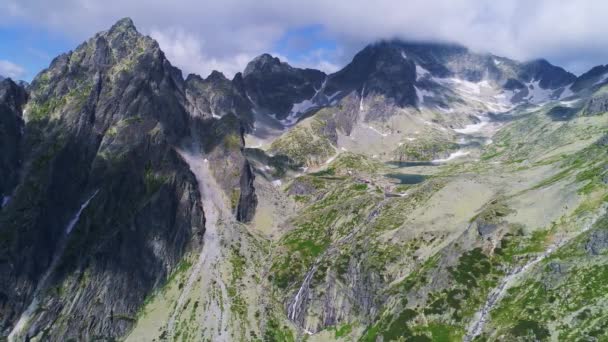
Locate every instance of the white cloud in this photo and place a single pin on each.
(187, 51)
(12, 70)
(570, 33)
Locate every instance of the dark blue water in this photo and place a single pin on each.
(406, 178)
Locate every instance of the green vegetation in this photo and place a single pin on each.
(238, 305)
(235, 196)
(347, 161)
(274, 332)
(42, 110)
(424, 149)
(232, 141)
(153, 180)
(303, 146)
(343, 331)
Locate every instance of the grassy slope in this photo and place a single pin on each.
(431, 269)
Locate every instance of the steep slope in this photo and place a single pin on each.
(419, 102)
(107, 207)
(431, 257)
(12, 100)
(216, 96)
(390, 243)
(278, 88)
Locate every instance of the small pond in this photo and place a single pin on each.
(406, 178)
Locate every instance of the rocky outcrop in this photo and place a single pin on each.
(596, 105)
(216, 96)
(590, 78)
(99, 156)
(12, 100)
(548, 76)
(597, 242)
(275, 86)
(248, 199)
(379, 69)
(397, 71)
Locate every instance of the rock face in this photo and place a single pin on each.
(12, 100)
(106, 207)
(381, 69)
(590, 78)
(548, 75)
(596, 105)
(248, 199)
(597, 243)
(275, 86)
(216, 96)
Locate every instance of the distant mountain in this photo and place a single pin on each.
(276, 87)
(401, 72)
(394, 68)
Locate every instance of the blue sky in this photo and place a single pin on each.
(31, 48)
(201, 36)
(34, 48)
(307, 45)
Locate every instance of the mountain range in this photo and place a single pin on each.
(424, 192)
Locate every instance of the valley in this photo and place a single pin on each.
(424, 192)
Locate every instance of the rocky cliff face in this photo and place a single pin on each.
(216, 96)
(275, 86)
(106, 207)
(12, 99)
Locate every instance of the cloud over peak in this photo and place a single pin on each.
(199, 36)
(12, 70)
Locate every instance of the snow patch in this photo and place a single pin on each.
(538, 95)
(474, 128)
(297, 109)
(421, 72)
(331, 97)
(421, 93)
(445, 110)
(361, 100)
(602, 79)
(452, 156)
(570, 103)
(5, 201)
(331, 159)
(376, 131)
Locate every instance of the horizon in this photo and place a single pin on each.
(232, 34)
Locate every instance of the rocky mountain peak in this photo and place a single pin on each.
(266, 63)
(594, 76)
(547, 74)
(123, 25)
(12, 95)
(217, 76)
(381, 68)
(275, 86)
